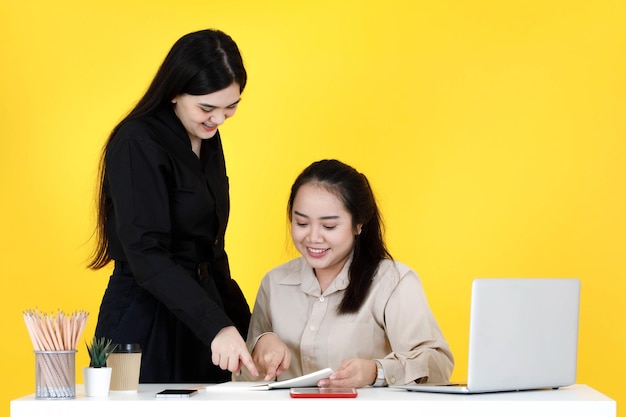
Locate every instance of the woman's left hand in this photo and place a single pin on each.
(353, 373)
(271, 355)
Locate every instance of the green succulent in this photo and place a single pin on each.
(99, 352)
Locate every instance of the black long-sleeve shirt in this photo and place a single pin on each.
(167, 212)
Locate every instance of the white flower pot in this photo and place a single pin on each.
(97, 381)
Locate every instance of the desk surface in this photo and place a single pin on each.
(573, 401)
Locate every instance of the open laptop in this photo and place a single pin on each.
(523, 335)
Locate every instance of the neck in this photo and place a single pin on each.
(324, 281)
(196, 144)
(326, 276)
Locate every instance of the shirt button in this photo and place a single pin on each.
(216, 241)
(322, 299)
(312, 328)
(392, 380)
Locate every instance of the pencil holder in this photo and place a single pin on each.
(55, 374)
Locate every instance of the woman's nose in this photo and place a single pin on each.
(217, 117)
(315, 235)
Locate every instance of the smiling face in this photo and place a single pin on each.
(322, 230)
(202, 115)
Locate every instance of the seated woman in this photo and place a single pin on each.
(345, 303)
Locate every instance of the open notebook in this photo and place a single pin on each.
(308, 380)
(523, 335)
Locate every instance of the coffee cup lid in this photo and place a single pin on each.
(127, 348)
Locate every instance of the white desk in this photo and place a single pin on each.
(573, 401)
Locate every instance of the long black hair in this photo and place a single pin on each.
(353, 189)
(198, 63)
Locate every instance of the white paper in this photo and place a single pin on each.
(308, 380)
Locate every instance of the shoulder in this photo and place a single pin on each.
(289, 273)
(151, 134)
(161, 127)
(134, 131)
(394, 268)
(140, 124)
(391, 273)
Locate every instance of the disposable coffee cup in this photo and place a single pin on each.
(125, 363)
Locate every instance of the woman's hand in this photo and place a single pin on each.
(230, 351)
(271, 356)
(353, 373)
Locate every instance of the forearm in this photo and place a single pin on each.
(428, 364)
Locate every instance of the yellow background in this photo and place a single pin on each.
(492, 132)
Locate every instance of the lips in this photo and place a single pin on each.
(316, 253)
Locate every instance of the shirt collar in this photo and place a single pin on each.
(305, 277)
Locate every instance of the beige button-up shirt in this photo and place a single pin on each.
(394, 325)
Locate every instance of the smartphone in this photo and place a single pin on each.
(323, 392)
(176, 393)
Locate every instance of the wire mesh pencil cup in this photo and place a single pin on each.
(55, 374)
(54, 339)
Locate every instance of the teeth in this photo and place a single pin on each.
(317, 250)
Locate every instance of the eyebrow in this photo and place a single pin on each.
(214, 106)
(333, 217)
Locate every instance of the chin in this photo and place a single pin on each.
(317, 263)
(208, 135)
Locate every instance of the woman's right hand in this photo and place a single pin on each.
(271, 356)
(230, 351)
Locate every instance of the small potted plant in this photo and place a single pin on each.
(97, 377)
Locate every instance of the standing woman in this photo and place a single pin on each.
(162, 215)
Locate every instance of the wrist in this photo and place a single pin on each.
(380, 375)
